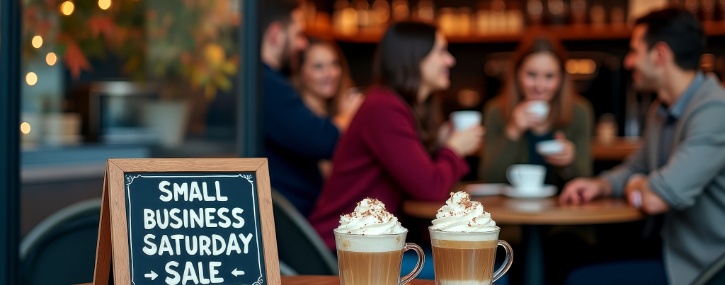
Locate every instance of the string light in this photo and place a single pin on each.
(50, 59)
(104, 4)
(31, 78)
(37, 41)
(25, 128)
(67, 8)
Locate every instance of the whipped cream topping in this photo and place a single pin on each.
(370, 218)
(460, 214)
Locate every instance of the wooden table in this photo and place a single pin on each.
(618, 150)
(324, 280)
(509, 211)
(531, 214)
(332, 280)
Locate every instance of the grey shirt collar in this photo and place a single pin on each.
(675, 110)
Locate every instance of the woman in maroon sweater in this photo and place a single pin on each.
(382, 154)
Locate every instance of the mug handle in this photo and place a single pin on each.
(418, 267)
(506, 262)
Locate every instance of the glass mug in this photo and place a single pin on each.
(468, 258)
(374, 259)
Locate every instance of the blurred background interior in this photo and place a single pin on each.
(159, 78)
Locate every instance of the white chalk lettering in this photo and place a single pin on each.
(246, 240)
(225, 223)
(191, 251)
(148, 219)
(195, 192)
(177, 239)
(182, 190)
(213, 272)
(162, 187)
(198, 218)
(210, 217)
(165, 245)
(217, 250)
(202, 280)
(151, 249)
(233, 245)
(219, 196)
(175, 280)
(189, 274)
(165, 223)
(206, 195)
(204, 243)
(177, 224)
(236, 213)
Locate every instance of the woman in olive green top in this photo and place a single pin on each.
(514, 121)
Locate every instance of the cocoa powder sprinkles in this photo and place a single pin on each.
(370, 217)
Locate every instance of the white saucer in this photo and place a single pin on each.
(544, 192)
(485, 189)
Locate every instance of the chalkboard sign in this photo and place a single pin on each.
(187, 221)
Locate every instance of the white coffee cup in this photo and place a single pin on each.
(526, 177)
(463, 120)
(539, 108)
(549, 147)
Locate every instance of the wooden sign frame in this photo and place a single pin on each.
(113, 228)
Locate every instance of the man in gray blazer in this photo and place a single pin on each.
(680, 170)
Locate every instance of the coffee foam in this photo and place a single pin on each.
(460, 214)
(364, 243)
(477, 236)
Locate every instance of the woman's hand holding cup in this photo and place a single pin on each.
(466, 142)
(566, 156)
(525, 116)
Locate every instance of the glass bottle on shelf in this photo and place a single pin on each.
(425, 11)
(707, 10)
(535, 12)
(617, 16)
(310, 12)
(446, 21)
(578, 12)
(401, 10)
(381, 12)
(597, 15)
(498, 16)
(514, 18)
(344, 19)
(483, 18)
(464, 21)
(693, 6)
(363, 13)
(557, 11)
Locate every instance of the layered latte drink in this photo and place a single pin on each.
(464, 240)
(370, 243)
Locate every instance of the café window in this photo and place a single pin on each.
(122, 79)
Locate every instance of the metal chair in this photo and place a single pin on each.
(715, 274)
(285, 270)
(62, 248)
(298, 244)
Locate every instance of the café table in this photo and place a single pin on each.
(324, 280)
(531, 214)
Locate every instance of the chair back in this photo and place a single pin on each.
(62, 248)
(298, 244)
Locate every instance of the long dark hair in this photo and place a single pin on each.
(345, 80)
(561, 104)
(397, 66)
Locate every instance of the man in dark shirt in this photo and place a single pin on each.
(295, 139)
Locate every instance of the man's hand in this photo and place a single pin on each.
(642, 197)
(582, 190)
